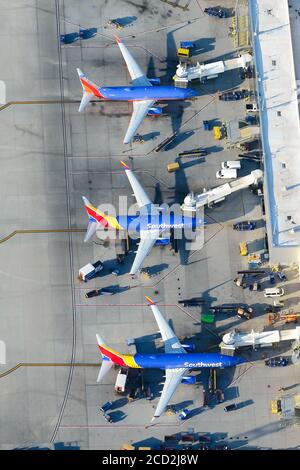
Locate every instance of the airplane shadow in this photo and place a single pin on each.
(181, 137)
(151, 71)
(183, 404)
(203, 45)
(151, 135)
(195, 412)
(156, 269)
(190, 162)
(175, 109)
(115, 289)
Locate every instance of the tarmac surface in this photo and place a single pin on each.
(51, 156)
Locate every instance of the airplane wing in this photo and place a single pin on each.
(141, 197)
(137, 76)
(173, 379)
(140, 110)
(172, 346)
(172, 343)
(147, 240)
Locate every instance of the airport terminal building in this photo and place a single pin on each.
(276, 47)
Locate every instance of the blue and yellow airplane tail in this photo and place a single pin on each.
(97, 218)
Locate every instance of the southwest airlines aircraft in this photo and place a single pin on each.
(142, 94)
(175, 361)
(151, 223)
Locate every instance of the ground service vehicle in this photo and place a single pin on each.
(184, 414)
(90, 270)
(281, 276)
(193, 153)
(206, 125)
(187, 44)
(220, 395)
(115, 24)
(234, 95)
(251, 107)
(243, 226)
(121, 380)
(271, 278)
(87, 33)
(240, 282)
(215, 11)
(107, 417)
(173, 167)
(231, 407)
(277, 361)
(243, 248)
(227, 173)
(251, 119)
(276, 406)
(217, 130)
(231, 164)
(183, 53)
(255, 286)
(274, 292)
(69, 38)
(246, 313)
(93, 293)
(106, 406)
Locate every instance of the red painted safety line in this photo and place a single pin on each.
(96, 426)
(197, 320)
(131, 305)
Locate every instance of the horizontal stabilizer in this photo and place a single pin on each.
(86, 98)
(104, 369)
(91, 230)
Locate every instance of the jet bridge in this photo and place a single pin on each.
(193, 202)
(234, 339)
(186, 72)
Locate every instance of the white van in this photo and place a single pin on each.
(274, 292)
(251, 107)
(232, 164)
(227, 173)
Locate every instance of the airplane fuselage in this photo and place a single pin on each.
(189, 361)
(162, 222)
(173, 361)
(139, 93)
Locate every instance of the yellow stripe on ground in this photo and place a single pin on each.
(45, 364)
(13, 103)
(59, 230)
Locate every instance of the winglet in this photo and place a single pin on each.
(149, 300)
(80, 73)
(118, 40)
(99, 340)
(124, 165)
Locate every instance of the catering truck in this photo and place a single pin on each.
(227, 173)
(235, 164)
(121, 380)
(89, 271)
